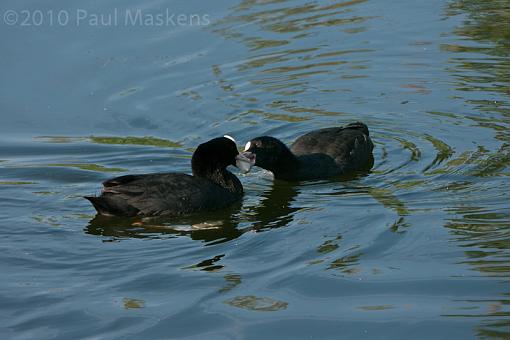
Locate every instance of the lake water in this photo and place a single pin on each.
(419, 247)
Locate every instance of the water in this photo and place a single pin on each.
(419, 246)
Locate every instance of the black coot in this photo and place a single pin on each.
(316, 155)
(171, 194)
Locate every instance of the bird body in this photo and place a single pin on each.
(318, 154)
(162, 194)
(211, 186)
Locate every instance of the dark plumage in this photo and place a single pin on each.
(171, 194)
(316, 155)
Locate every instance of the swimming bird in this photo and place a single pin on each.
(318, 154)
(211, 186)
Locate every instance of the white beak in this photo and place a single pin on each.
(244, 163)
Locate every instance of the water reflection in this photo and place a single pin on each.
(293, 50)
(435, 204)
(480, 65)
(483, 71)
(130, 303)
(217, 226)
(486, 235)
(208, 265)
(232, 281)
(259, 304)
(275, 210)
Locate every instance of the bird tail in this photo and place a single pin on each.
(358, 126)
(100, 205)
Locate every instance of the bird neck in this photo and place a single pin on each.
(221, 177)
(286, 165)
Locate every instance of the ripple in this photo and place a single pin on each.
(376, 308)
(16, 183)
(125, 93)
(129, 140)
(130, 303)
(150, 141)
(444, 151)
(258, 304)
(86, 166)
(422, 238)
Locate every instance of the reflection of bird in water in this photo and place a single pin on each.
(219, 226)
(276, 209)
(279, 204)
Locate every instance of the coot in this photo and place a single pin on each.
(316, 155)
(211, 187)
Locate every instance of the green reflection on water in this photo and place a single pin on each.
(16, 183)
(388, 199)
(133, 303)
(152, 141)
(284, 57)
(52, 221)
(495, 164)
(346, 263)
(59, 139)
(327, 247)
(87, 166)
(45, 193)
(376, 308)
(232, 281)
(444, 151)
(259, 304)
(114, 140)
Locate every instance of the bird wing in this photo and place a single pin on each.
(157, 194)
(349, 145)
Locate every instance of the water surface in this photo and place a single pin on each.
(419, 246)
